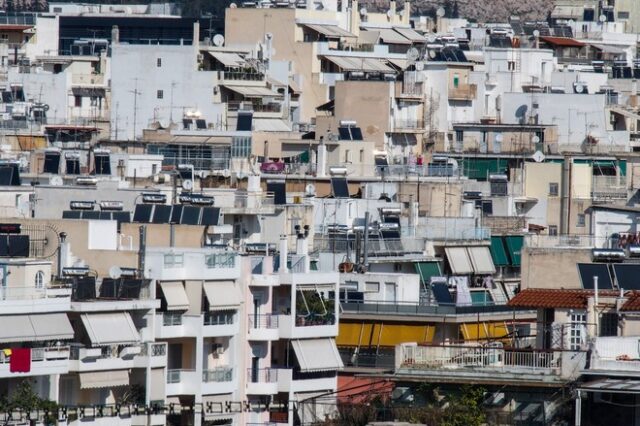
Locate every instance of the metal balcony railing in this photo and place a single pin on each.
(218, 374)
(171, 319)
(263, 321)
(262, 375)
(175, 376)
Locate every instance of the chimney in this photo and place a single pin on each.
(392, 10)
(284, 254)
(115, 35)
(196, 34)
(406, 13)
(354, 27)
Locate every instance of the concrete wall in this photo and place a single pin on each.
(552, 268)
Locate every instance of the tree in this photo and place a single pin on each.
(25, 399)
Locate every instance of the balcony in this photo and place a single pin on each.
(607, 188)
(218, 380)
(21, 300)
(183, 382)
(44, 361)
(411, 125)
(194, 264)
(565, 241)
(117, 357)
(382, 358)
(409, 90)
(262, 381)
(463, 92)
(176, 324)
(220, 323)
(302, 327)
(263, 327)
(492, 362)
(87, 79)
(381, 248)
(616, 356)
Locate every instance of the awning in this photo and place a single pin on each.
(400, 63)
(252, 91)
(230, 60)
(627, 386)
(604, 48)
(562, 41)
(484, 330)
(568, 12)
(383, 334)
(459, 260)
(359, 64)
(175, 296)
(222, 295)
(16, 328)
(411, 34)
(481, 260)
(426, 270)
(498, 253)
(317, 354)
(104, 379)
(270, 125)
(330, 31)
(110, 328)
(514, 246)
(388, 36)
(52, 327)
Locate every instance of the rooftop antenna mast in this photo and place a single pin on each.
(135, 92)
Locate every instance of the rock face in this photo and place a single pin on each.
(478, 10)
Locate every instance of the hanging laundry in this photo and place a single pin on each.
(20, 361)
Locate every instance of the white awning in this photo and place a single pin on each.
(51, 327)
(222, 295)
(270, 125)
(606, 48)
(16, 328)
(110, 328)
(360, 64)
(329, 31)
(610, 385)
(400, 63)
(231, 60)
(568, 12)
(104, 379)
(175, 296)
(388, 36)
(459, 260)
(411, 34)
(317, 354)
(253, 91)
(481, 260)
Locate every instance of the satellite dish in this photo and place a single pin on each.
(115, 272)
(233, 6)
(218, 40)
(538, 157)
(602, 18)
(432, 54)
(440, 12)
(535, 139)
(310, 190)
(419, 66)
(521, 111)
(412, 54)
(536, 33)
(499, 137)
(579, 88)
(363, 11)
(187, 184)
(389, 14)
(55, 181)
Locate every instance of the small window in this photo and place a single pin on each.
(511, 65)
(350, 285)
(459, 136)
(623, 15)
(39, 279)
(77, 101)
(609, 324)
(159, 62)
(581, 219)
(553, 189)
(553, 230)
(160, 94)
(372, 287)
(361, 156)
(174, 260)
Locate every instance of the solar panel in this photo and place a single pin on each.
(279, 190)
(441, 293)
(51, 163)
(176, 213)
(73, 167)
(601, 270)
(344, 133)
(356, 134)
(627, 276)
(130, 288)
(122, 217)
(161, 214)
(6, 174)
(105, 216)
(201, 124)
(84, 288)
(71, 214)
(190, 215)
(381, 161)
(245, 121)
(186, 123)
(339, 187)
(210, 216)
(142, 213)
(109, 288)
(90, 215)
(18, 246)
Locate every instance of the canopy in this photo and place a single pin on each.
(426, 270)
(230, 60)
(330, 31)
(481, 260)
(498, 253)
(387, 35)
(359, 64)
(175, 296)
(252, 91)
(222, 295)
(411, 34)
(29, 328)
(514, 245)
(317, 354)
(110, 328)
(104, 379)
(459, 260)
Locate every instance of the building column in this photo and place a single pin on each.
(578, 419)
(199, 414)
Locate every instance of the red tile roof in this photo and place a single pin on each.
(562, 41)
(556, 298)
(632, 303)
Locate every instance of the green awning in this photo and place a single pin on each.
(304, 157)
(481, 168)
(623, 167)
(498, 253)
(514, 246)
(426, 270)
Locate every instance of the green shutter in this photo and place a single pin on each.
(481, 168)
(498, 253)
(304, 157)
(514, 245)
(481, 298)
(623, 167)
(313, 265)
(426, 270)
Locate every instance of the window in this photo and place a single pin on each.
(174, 260)
(553, 230)
(240, 147)
(39, 279)
(77, 101)
(347, 156)
(160, 94)
(511, 65)
(553, 189)
(350, 285)
(609, 324)
(459, 136)
(159, 62)
(623, 15)
(220, 260)
(456, 80)
(577, 330)
(581, 219)
(361, 156)
(486, 206)
(371, 287)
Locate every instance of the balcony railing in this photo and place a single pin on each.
(263, 321)
(565, 241)
(240, 75)
(219, 318)
(87, 79)
(463, 92)
(361, 357)
(420, 309)
(218, 374)
(409, 124)
(262, 375)
(175, 376)
(252, 106)
(312, 320)
(378, 247)
(40, 354)
(171, 319)
(609, 187)
(479, 357)
(220, 260)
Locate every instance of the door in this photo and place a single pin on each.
(255, 368)
(174, 361)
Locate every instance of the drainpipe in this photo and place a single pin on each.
(565, 199)
(365, 251)
(321, 160)
(63, 253)
(284, 254)
(142, 247)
